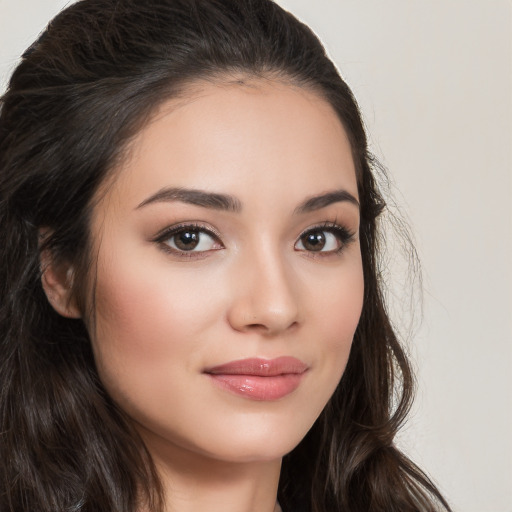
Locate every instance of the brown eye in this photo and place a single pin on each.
(314, 240)
(328, 240)
(188, 240)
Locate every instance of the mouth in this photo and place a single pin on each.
(259, 379)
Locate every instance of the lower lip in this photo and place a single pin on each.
(259, 388)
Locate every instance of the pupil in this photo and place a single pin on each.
(187, 240)
(314, 241)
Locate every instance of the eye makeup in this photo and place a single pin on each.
(189, 240)
(314, 239)
(194, 240)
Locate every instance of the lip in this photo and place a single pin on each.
(259, 379)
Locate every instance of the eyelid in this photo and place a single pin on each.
(162, 236)
(345, 235)
(175, 228)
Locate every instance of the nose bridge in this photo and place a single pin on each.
(265, 298)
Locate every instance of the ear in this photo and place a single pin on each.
(57, 281)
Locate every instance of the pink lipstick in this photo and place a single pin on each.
(259, 379)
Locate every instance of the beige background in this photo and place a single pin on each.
(434, 80)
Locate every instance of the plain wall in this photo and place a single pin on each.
(434, 81)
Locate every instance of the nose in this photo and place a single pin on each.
(265, 298)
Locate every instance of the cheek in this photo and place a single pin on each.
(336, 302)
(333, 310)
(147, 321)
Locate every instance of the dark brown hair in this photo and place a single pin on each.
(80, 92)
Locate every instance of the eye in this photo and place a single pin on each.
(189, 239)
(328, 239)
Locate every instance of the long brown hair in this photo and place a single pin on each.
(80, 92)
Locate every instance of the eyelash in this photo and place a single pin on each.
(169, 232)
(344, 236)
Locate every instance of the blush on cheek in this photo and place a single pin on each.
(148, 314)
(339, 308)
(340, 316)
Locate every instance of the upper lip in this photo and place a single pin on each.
(260, 367)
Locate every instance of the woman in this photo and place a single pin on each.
(191, 313)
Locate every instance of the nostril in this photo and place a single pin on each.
(271, 328)
(264, 302)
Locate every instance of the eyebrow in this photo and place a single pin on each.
(210, 200)
(321, 201)
(225, 202)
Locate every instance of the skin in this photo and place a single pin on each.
(252, 290)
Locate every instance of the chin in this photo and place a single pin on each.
(254, 439)
(256, 442)
(253, 451)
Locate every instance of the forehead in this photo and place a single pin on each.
(242, 138)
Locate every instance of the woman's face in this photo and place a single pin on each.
(229, 280)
